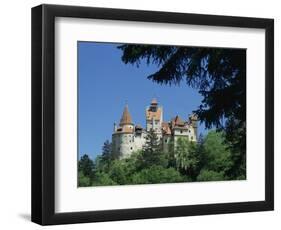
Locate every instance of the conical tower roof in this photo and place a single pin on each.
(178, 121)
(126, 118)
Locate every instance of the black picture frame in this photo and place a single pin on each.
(43, 114)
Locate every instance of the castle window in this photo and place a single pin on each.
(191, 137)
(181, 131)
(166, 141)
(131, 148)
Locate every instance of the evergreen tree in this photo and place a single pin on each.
(218, 156)
(157, 174)
(86, 165)
(210, 175)
(107, 151)
(83, 181)
(171, 154)
(201, 155)
(236, 142)
(186, 156)
(219, 75)
(217, 160)
(152, 152)
(102, 179)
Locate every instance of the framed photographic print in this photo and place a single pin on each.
(142, 114)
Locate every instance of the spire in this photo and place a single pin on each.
(126, 117)
(178, 121)
(154, 101)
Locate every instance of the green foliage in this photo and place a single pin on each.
(107, 151)
(117, 172)
(157, 174)
(120, 171)
(236, 140)
(210, 159)
(152, 152)
(209, 175)
(85, 165)
(218, 156)
(219, 75)
(100, 165)
(171, 154)
(102, 178)
(185, 155)
(83, 181)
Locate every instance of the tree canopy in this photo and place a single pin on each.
(219, 75)
(152, 152)
(85, 165)
(208, 159)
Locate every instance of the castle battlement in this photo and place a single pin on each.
(128, 138)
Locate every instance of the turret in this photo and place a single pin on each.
(126, 117)
(193, 119)
(123, 137)
(154, 117)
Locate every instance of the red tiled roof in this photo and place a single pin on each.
(178, 121)
(126, 117)
(166, 128)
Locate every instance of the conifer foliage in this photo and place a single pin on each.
(209, 159)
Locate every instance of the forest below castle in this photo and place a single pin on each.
(209, 159)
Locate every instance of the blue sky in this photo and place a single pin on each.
(106, 84)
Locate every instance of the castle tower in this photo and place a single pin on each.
(126, 119)
(127, 138)
(123, 138)
(193, 121)
(154, 117)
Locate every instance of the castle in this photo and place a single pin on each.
(128, 138)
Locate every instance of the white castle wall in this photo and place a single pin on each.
(139, 141)
(122, 143)
(125, 143)
(154, 124)
(189, 133)
(192, 134)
